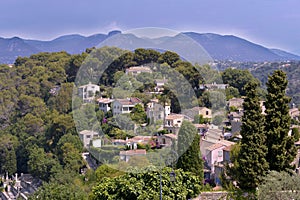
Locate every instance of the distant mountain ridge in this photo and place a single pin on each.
(220, 47)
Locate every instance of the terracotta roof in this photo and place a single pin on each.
(215, 146)
(130, 101)
(174, 116)
(141, 139)
(105, 100)
(199, 108)
(226, 142)
(134, 152)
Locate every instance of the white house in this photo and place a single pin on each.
(134, 71)
(88, 92)
(105, 104)
(123, 106)
(86, 136)
(156, 111)
(173, 123)
(160, 84)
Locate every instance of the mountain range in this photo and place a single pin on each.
(219, 47)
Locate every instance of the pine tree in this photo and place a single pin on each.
(281, 149)
(190, 159)
(252, 164)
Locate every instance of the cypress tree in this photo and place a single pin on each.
(281, 148)
(251, 159)
(190, 159)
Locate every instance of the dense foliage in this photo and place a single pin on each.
(190, 159)
(251, 162)
(146, 185)
(281, 149)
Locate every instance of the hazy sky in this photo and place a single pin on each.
(273, 23)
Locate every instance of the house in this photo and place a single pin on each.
(236, 102)
(205, 112)
(160, 83)
(214, 154)
(156, 111)
(144, 140)
(119, 142)
(173, 123)
(226, 154)
(126, 155)
(235, 116)
(214, 86)
(88, 92)
(134, 71)
(86, 136)
(201, 128)
(105, 104)
(215, 157)
(166, 140)
(125, 106)
(294, 113)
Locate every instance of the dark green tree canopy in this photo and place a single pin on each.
(281, 146)
(251, 159)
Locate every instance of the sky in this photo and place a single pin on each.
(272, 23)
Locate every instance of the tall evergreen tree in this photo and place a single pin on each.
(190, 159)
(252, 163)
(281, 149)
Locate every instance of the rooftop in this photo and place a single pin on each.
(215, 146)
(130, 101)
(174, 116)
(105, 100)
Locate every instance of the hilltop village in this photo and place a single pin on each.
(105, 134)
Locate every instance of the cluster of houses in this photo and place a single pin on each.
(19, 187)
(214, 144)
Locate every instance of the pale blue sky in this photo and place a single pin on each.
(273, 23)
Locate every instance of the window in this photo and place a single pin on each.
(220, 153)
(207, 112)
(88, 136)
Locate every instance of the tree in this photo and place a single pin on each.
(59, 191)
(8, 161)
(41, 164)
(145, 185)
(138, 114)
(71, 158)
(281, 149)
(279, 185)
(190, 159)
(238, 78)
(252, 164)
